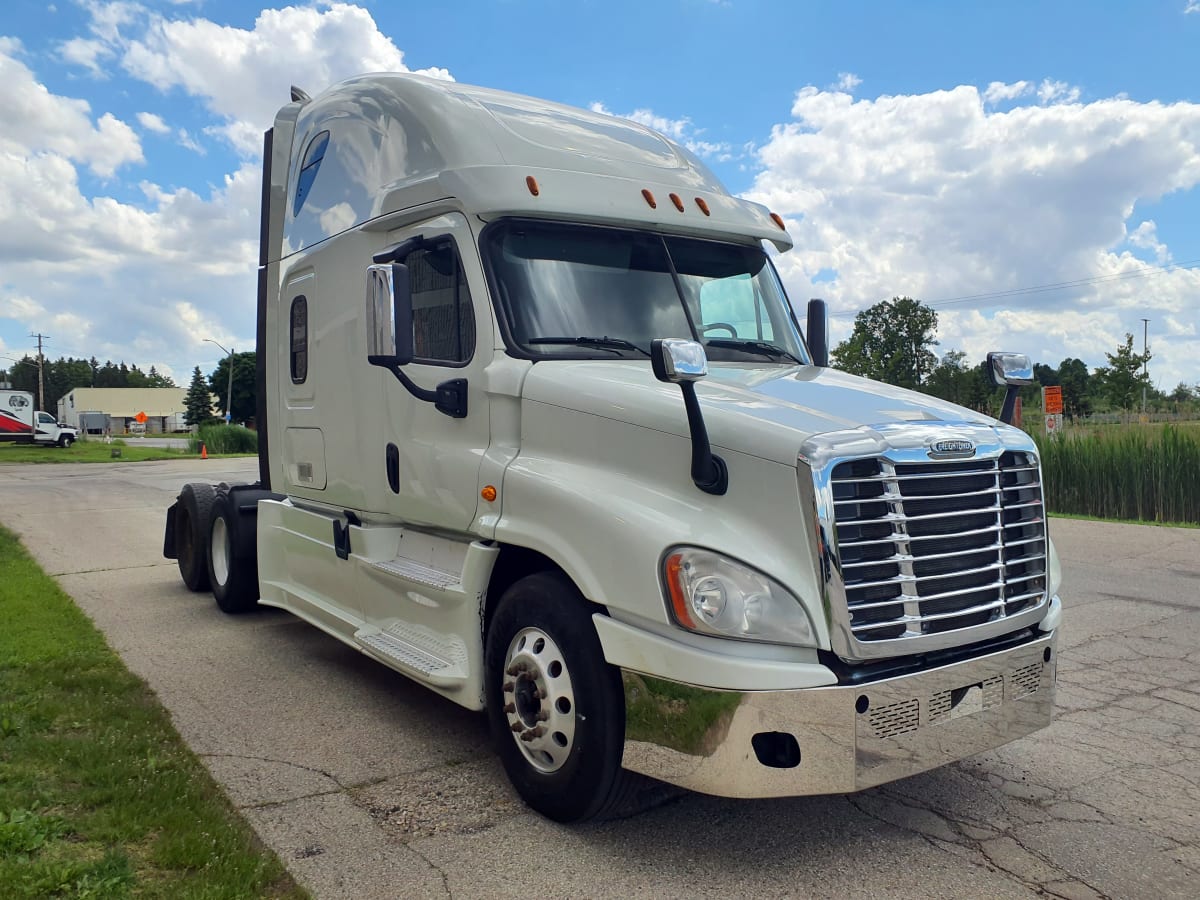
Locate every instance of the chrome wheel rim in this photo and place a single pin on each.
(539, 700)
(220, 550)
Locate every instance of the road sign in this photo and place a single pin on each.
(141, 418)
(1054, 424)
(1052, 400)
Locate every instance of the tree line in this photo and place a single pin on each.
(63, 375)
(892, 342)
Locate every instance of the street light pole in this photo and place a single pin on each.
(228, 393)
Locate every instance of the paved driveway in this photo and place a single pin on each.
(370, 786)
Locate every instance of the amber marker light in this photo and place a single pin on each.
(703, 206)
(679, 604)
(778, 220)
(488, 493)
(675, 198)
(649, 198)
(531, 183)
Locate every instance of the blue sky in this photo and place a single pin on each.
(939, 150)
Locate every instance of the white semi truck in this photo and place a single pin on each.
(538, 429)
(22, 424)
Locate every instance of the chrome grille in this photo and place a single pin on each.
(929, 547)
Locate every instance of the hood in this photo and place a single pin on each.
(763, 410)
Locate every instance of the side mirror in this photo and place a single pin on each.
(1010, 368)
(683, 363)
(818, 332)
(1010, 371)
(676, 360)
(389, 315)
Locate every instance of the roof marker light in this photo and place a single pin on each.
(778, 220)
(531, 183)
(675, 198)
(703, 206)
(649, 198)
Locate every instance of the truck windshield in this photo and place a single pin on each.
(584, 291)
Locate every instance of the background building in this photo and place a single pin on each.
(92, 410)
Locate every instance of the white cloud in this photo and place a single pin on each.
(154, 123)
(847, 82)
(1193, 6)
(244, 75)
(40, 122)
(999, 92)
(940, 196)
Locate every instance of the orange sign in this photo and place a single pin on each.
(141, 417)
(1052, 400)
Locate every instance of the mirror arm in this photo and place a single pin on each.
(709, 471)
(1008, 410)
(449, 397)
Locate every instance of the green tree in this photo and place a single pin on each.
(244, 385)
(198, 401)
(1124, 379)
(891, 342)
(1077, 387)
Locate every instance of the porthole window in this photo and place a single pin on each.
(299, 323)
(308, 170)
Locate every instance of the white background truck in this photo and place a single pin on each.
(538, 429)
(21, 423)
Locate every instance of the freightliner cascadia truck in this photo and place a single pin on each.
(539, 429)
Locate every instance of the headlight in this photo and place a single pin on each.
(713, 594)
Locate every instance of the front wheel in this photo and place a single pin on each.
(556, 708)
(65, 441)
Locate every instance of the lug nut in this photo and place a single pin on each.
(510, 708)
(508, 687)
(517, 726)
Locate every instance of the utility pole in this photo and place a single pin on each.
(1145, 360)
(41, 378)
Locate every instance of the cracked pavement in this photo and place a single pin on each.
(368, 785)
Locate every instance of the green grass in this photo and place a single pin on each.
(1130, 473)
(96, 452)
(99, 797)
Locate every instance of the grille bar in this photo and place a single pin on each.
(925, 547)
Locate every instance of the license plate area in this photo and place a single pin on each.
(967, 700)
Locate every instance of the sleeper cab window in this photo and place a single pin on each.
(299, 331)
(443, 318)
(308, 170)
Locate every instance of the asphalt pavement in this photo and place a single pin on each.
(369, 786)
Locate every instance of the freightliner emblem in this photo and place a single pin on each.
(952, 447)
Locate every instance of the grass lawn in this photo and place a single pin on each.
(93, 452)
(99, 797)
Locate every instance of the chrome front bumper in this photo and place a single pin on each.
(834, 740)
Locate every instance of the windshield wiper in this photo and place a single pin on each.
(603, 343)
(762, 348)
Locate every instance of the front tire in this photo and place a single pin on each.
(65, 441)
(232, 558)
(556, 708)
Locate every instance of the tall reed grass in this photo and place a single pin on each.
(1149, 475)
(224, 439)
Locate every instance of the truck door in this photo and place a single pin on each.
(47, 427)
(433, 458)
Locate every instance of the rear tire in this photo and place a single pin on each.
(232, 557)
(556, 708)
(192, 518)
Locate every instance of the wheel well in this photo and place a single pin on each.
(514, 564)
